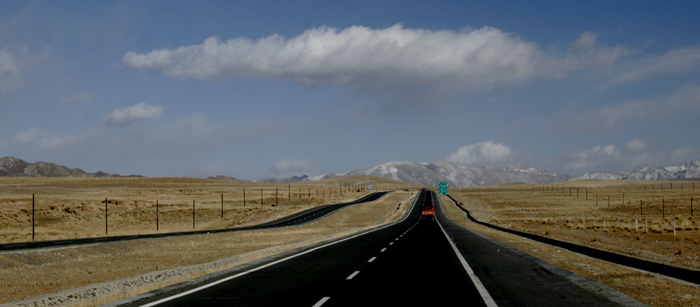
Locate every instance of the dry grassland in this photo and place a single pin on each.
(569, 212)
(67, 208)
(72, 208)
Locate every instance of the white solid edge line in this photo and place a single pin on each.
(322, 301)
(477, 283)
(154, 303)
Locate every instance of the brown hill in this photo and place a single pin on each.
(13, 167)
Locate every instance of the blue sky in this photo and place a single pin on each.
(258, 89)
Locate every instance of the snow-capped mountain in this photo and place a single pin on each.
(676, 171)
(456, 174)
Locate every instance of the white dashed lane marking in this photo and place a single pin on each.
(353, 275)
(322, 301)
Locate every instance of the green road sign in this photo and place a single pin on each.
(442, 187)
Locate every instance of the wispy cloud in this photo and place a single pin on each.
(672, 62)
(78, 97)
(40, 139)
(289, 167)
(10, 73)
(587, 40)
(635, 153)
(592, 158)
(585, 53)
(683, 102)
(133, 114)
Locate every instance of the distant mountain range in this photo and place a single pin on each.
(455, 174)
(13, 167)
(461, 175)
(676, 171)
(429, 174)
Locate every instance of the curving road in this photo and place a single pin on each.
(412, 262)
(298, 218)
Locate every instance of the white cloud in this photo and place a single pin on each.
(133, 114)
(352, 56)
(482, 153)
(10, 74)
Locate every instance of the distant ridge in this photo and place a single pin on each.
(13, 167)
(222, 177)
(287, 180)
(461, 175)
(676, 171)
(455, 174)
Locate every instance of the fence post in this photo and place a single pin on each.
(34, 224)
(157, 216)
(106, 224)
(193, 214)
(222, 205)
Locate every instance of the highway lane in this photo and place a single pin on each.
(515, 279)
(412, 262)
(302, 217)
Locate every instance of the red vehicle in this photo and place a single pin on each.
(428, 212)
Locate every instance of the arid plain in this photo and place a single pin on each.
(572, 211)
(649, 220)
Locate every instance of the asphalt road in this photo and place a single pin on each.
(410, 263)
